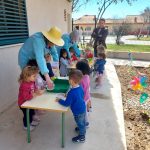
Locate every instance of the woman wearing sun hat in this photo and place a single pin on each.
(36, 46)
(70, 40)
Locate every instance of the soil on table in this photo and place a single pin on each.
(136, 115)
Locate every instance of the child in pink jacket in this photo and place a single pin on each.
(85, 83)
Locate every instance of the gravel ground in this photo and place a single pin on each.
(136, 115)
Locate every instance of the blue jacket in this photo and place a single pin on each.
(75, 99)
(99, 65)
(35, 48)
(67, 44)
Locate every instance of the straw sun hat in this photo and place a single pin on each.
(54, 36)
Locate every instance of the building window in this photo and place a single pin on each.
(13, 22)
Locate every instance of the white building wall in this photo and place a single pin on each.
(42, 14)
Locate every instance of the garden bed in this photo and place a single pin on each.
(136, 115)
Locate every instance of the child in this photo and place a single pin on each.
(99, 68)
(75, 99)
(85, 83)
(40, 84)
(27, 91)
(63, 63)
(72, 53)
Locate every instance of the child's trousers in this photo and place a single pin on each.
(81, 123)
(31, 114)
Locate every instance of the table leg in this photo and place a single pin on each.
(28, 126)
(63, 128)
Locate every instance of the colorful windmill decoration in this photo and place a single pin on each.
(139, 83)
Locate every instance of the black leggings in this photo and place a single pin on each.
(31, 114)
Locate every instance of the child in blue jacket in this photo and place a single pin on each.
(75, 99)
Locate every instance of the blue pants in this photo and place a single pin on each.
(31, 114)
(81, 123)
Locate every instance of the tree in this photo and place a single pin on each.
(104, 4)
(77, 4)
(146, 15)
(121, 30)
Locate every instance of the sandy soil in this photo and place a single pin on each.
(136, 115)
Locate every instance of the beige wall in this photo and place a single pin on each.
(41, 15)
(9, 72)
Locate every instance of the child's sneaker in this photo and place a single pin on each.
(34, 123)
(97, 86)
(36, 118)
(78, 139)
(87, 124)
(31, 128)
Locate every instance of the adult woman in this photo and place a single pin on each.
(70, 40)
(36, 46)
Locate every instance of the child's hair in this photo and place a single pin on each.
(85, 60)
(83, 67)
(100, 49)
(75, 75)
(32, 62)
(27, 72)
(103, 55)
(62, 51)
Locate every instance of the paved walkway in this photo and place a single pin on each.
(106, 131)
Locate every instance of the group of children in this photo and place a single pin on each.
(77, 98)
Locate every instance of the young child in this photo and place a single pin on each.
(72, 53)
(85, 83)
(27, 91)
(63, 63)
(75, 99)
(99, 68)
(40, 84)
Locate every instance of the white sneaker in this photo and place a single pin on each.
(34, 123)
(36, 118)
(97, 87)
(31, 128)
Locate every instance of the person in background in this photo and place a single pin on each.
(70, 40)
(35, 47)
(63, 63)
(27, 91)
(75, 99)
(99, 35)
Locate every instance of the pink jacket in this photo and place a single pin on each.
(85, 83)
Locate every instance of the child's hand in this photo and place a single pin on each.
(34, 95)
(57, 99)
(40, 92)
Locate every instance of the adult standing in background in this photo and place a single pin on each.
(36, 46)
(70, 40)
(99, 35)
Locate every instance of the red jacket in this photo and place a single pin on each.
(74, 58)
(26, 91)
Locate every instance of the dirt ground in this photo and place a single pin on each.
(137, 116)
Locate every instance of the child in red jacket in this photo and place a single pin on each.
(27, 91)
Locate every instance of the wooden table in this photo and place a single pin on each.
(45, 102)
